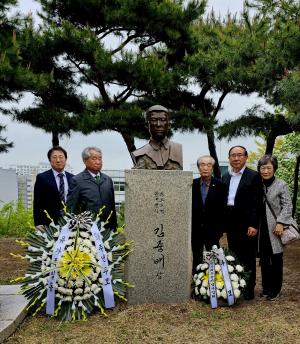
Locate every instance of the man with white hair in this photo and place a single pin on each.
(208, 208)
(92, 189)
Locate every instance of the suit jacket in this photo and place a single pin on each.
(208, 218)
(248, 200)
(46, 197)
(85, 194)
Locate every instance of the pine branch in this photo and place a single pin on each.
(216, 110)
(121, 46)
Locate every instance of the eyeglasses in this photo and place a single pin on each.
(57, 157)
(238, 155)
(266, 168)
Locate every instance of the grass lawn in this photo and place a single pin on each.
(249, 322)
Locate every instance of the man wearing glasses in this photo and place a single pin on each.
(160, 153)
(51, 188)
(242, 212)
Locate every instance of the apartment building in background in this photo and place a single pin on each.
(17, 182)
(118, 177)
(8, 186)
(26, 175)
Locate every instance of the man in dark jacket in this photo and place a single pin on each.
(51, 188)
(92, 189)
(243, 212)
(208, 206)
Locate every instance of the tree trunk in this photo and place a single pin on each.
(129, 141)
(55, 138)
(270, 144)
(213, 152)
(296, 184)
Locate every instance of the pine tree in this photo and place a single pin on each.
(122, 49)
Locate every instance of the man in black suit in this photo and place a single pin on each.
(208, 206)
(92, 189)
(242, 212)
(51, 188)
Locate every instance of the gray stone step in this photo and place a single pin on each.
(12, 310)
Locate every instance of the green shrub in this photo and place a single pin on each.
(121, 215)
(15, 220)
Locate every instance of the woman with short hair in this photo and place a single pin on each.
(277, 198)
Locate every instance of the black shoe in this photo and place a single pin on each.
(249, 295)
(273, 297)
(263, 294)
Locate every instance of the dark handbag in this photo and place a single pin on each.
(290, 232)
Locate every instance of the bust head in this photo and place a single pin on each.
(158, 121)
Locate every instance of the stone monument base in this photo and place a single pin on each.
(158, 220)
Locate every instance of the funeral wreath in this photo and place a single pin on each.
(220, 276)
(75, 267)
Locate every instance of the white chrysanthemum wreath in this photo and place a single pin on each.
(67, 274)
(220, 276)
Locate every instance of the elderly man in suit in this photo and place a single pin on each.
(243, 212)
(208, 206)
(51, 188)
(92, 189)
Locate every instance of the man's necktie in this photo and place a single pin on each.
(97, 179)
(61, 188)
(203, 192)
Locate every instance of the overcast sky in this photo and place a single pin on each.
(31, 145)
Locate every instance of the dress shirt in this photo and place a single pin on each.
(57, 180)
(94, 175)
(161, 150)
(233, 186)
(204, 186)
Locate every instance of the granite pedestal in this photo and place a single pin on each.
(158, 220)
(12, 310)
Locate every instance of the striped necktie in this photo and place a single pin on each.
(61, 188)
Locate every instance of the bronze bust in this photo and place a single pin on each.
(159, 153)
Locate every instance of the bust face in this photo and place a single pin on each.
(159, 125)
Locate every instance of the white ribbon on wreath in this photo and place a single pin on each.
(211, 257)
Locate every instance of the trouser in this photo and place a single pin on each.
(271, 272)
(244, 248)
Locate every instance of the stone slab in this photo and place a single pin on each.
(5, 329)
(158, 220)
(12, 310)
(9, 289)
(11, 306)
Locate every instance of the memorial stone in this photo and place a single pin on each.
(158, 220)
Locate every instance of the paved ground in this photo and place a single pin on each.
(12, 310)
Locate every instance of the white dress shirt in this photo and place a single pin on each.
(57, 179)
(234, 183)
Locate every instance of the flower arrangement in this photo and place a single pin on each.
(77, 264)
(220, 276)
